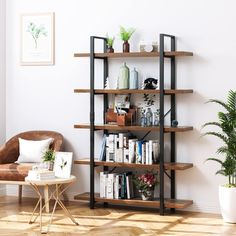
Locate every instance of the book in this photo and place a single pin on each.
(41, 175)
(103, 149)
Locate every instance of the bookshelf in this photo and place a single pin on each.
(163, 167)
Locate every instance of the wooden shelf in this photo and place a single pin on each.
(169, 203)
(168, 165)
(135, 54)
(167, 129)
(134, 91)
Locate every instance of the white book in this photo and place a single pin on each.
(150, 156)
(147, 153)
(102, 185)
(143, 153)
(110, 185)
(132, 150)
(121, 140)
(116, 187)
(120, 155)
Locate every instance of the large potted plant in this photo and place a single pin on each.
(227, 133)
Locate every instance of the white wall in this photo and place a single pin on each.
(2, 73)
(2, 79)
(41, 97)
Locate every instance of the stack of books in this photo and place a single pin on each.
(41, 175)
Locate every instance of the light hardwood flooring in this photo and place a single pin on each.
(14, 219)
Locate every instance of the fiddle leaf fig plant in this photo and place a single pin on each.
(227, 133)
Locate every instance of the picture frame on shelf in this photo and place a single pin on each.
(63, 164)
(37, 39)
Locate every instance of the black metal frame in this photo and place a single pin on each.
(162, 171)
(92, 113)
(162, 120)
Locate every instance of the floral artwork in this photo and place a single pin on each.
(62, 164)
(37, 39)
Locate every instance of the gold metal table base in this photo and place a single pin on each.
(60, 188)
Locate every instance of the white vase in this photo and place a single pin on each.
(227, 198)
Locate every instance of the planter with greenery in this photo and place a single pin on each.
(110, 41)
(48, 158)
(125, 36)
(227, 133)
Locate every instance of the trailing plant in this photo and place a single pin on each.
(227, 125)
(49, 155)
(126, 34)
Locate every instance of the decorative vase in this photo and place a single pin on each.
(133, 80)
(49, 165)
(149, 117)
(147, 195)
(126, 46)
(110, 49)
(123, 82)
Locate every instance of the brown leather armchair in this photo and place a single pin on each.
(9, 153)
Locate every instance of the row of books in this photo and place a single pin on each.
(116, 185)
(123, 147)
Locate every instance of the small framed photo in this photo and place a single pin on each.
(37, 39)
(63, 164)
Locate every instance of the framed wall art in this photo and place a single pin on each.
(63, 164)
(37, 39)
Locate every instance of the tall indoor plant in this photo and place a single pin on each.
(227, 133)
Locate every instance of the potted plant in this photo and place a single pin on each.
(48, 158)
(125, 36)
(110, 41)
(227, 133)
(145, 184)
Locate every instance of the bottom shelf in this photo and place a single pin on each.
(169, 203)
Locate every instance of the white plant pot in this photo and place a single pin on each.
(227, 198)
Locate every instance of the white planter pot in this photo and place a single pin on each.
(227, 198)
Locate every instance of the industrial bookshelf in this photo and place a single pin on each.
(162, 202)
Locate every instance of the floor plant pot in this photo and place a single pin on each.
(227, 198)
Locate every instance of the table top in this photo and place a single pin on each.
(51, 181)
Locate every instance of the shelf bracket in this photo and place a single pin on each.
(167, 174)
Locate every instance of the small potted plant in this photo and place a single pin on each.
(48, 158)
(145, 184)
(110, 41)
(125, 36)
(227, 133)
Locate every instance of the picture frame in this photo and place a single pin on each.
(63, 164)
(37, 39)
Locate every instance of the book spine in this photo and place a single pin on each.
(150, 162)
(147, 153)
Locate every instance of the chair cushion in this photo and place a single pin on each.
(33, 151)
(14, 171)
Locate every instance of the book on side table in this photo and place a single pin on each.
(41, 175)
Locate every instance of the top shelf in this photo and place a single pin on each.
(135, 54)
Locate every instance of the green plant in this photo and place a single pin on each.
(145, 182)
(110, 41)
(36, 32)
(227, 125)
(49, 155)
(126, 34)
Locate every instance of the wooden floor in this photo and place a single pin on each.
(106, 221)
